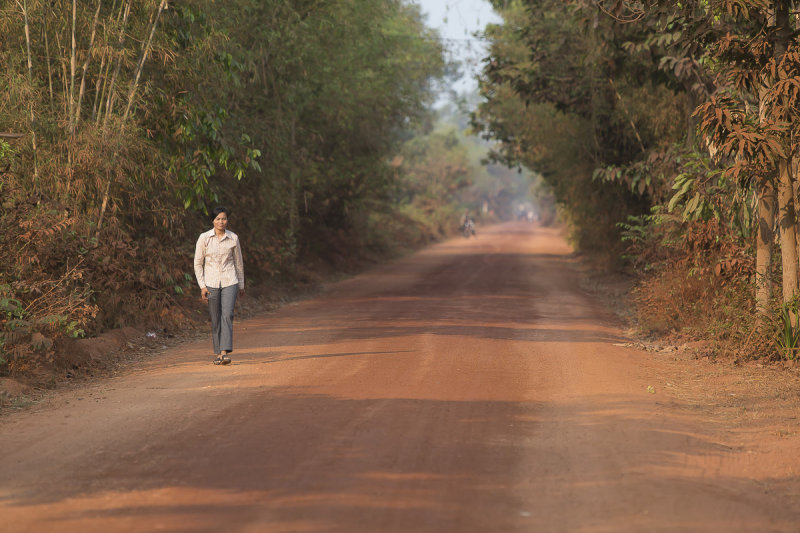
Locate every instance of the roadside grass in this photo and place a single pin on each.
(695, 304)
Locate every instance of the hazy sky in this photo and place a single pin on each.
(457, 21)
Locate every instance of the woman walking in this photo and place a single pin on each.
(219, 270)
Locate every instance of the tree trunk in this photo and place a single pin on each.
(142, 59)
(97, 111)
(788, 234)
(794, 169)
(30, 80)
(97, 84)
(787, 218)
(103, 206)
(63, 63)
(765, 235)
(125, 9)
(102, 93)
(86, 63)
(111, 93)
(72, 67)
(294, 208)
(47, 58)
(767, 198)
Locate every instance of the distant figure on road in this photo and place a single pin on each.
(219, 269)
(467, 224)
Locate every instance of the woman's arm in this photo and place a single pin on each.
(238, 264)
(199, 266)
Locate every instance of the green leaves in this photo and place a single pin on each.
(787, 335)
(201, 138)
(323, 92)
(683, 183)
(10, 308)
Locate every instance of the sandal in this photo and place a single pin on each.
(222, 360)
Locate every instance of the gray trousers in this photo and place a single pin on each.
(220, 307)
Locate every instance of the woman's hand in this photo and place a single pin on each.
(204, 293)
(241, 293)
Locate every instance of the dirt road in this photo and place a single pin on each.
(473, 387)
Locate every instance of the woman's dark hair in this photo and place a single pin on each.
(217, 210)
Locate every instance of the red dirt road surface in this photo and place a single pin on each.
(473, 387)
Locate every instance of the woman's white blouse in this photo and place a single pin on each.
(218, 261)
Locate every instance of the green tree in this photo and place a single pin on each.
(561, 100)
(135, 117)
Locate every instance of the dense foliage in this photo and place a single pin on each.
(671, 126)
(552, 103)
(122, 122)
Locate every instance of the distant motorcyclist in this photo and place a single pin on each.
(468, 224)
